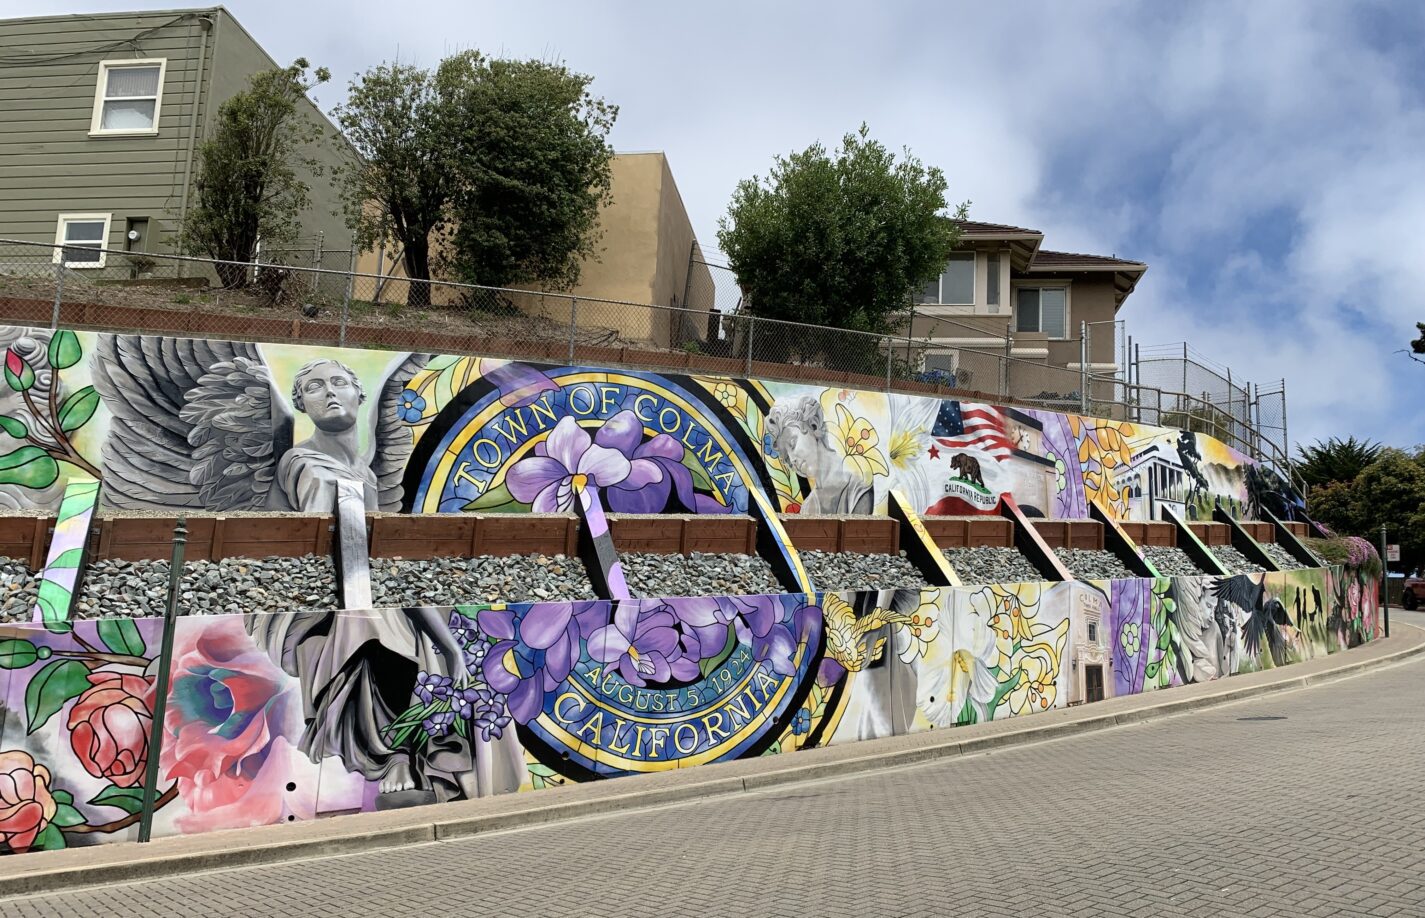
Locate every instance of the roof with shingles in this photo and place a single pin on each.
(977, 228)
(1046, 260)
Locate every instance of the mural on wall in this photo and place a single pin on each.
(273, 717)
(205, 424)
(276, 716)
(45, 429)
(171, 423)
(66, 550)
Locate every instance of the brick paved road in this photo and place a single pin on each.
(1223, 812)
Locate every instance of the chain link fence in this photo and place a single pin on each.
(309, 294)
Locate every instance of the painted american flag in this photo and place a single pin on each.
(972, 426)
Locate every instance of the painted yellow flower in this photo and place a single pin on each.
(905, 446)
(857, 438)
(728, 394)
(923, 627)
(1038, 681)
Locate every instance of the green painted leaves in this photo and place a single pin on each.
(78, 409)
(17, 654)
(28, 466)
(51, 687)
(128, 799)
(64, 350)
(121, 635)
(65, 814)
(496, 500)
(14, 427)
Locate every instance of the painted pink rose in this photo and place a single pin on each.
(230, 713)
(109, 727)
(26, 805)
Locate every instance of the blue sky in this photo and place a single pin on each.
(1267, 159)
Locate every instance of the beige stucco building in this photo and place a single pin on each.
(645, 253)
(1001, 293)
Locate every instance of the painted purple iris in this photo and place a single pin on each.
(439, 723)
(536, 649)
(643, 644)
(662, 455)
(760, 622)
(491, 716)
(430, 686)
(568, 464)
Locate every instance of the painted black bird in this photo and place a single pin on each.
(1265, 615)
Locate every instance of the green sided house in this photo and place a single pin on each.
(101, 117)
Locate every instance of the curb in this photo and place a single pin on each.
(422, 825)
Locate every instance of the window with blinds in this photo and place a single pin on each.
(1041, 309)
(81, 238)
(128, 97)
(956, 284)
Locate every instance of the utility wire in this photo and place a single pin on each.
(29, 60)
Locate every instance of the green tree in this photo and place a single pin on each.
(398, 193)
(840, 239)
(529, 160)
(1418, 345)
(1333, 505)
(1390, 491)
(249, 185)
(1335, 460)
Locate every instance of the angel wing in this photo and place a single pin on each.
(193, 423)
(391, 441)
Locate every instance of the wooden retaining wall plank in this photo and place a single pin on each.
(812, 533)
(870, 535)
(1151, 533)
(1211, 533)
(440, 536)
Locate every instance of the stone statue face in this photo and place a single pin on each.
(330, 397)
(803, 452)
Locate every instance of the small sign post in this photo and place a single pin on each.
(1385, 578)
(1392, 553)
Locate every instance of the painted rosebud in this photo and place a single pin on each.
(18, 374)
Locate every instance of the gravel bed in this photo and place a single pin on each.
(450, 581)
(18, 586)
(1282, 557)
(849, 570)
(135, 589)
(987, 564)
(1094, 564)
(1171, 561)
(1235, 561)
(698, 574)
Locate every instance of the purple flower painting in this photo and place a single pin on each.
(536, 649)
(566, 465)
(643, 644)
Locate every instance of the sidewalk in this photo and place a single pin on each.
(112, 863)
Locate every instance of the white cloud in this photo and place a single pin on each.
(1263, 157)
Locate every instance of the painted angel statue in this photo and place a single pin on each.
(203, 425)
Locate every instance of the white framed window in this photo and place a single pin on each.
(128, 97)
(945, 361)
(1042, 309)
(956, 284)
(83, 237)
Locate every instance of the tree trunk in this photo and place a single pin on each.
(417, 259)
(231, 275)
